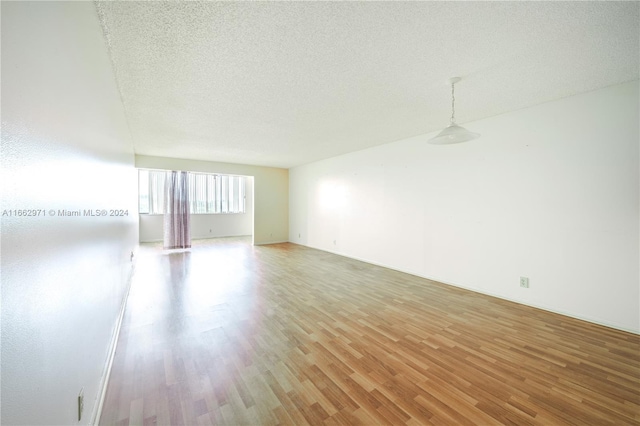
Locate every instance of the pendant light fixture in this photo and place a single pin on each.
(453, 133)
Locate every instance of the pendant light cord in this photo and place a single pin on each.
(453, 104)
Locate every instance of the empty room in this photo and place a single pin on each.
(340, 213)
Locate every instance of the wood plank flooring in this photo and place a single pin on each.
(228, 333)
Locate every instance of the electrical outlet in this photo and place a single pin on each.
(524, 282)
(80, 404)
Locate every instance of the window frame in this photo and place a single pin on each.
(215, 198)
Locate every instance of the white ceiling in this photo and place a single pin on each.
(287, 83)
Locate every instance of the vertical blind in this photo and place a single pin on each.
(208, 193)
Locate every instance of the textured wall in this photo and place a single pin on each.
(65, 146)
(549, 192)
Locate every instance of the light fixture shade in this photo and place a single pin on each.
(453, 134)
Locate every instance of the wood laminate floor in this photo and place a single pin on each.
(228, 333)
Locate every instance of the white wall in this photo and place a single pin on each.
(205, 225)
(270, 192)
(65, 145)
(550, 193)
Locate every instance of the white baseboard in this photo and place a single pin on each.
(266, 243)
(102, 390)
(208, 237)
(150, 241)
(544, 308)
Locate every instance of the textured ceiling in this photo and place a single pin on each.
(287, 83)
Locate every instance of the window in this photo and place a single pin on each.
(208, 193)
